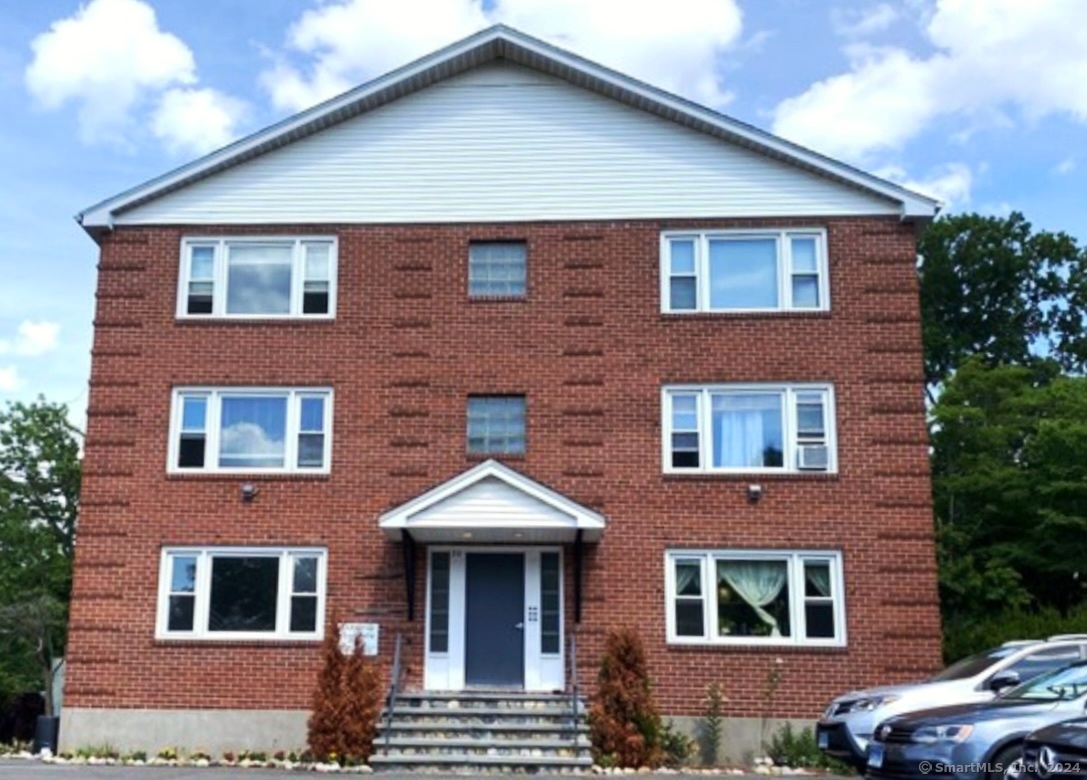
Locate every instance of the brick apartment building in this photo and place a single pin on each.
(498, 350)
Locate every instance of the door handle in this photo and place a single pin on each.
(519, 626)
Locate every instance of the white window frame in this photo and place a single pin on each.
(790, 441)
(220, 275)
(285, 589)
(701, 240)
(794, 559)
(212, 422)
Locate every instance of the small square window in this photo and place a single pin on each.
(496, 270)
(496, 424)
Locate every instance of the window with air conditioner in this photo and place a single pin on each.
(748, 428)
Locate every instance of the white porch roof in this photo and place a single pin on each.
(492, 503)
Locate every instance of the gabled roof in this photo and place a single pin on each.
(504, 43)
(492, 503)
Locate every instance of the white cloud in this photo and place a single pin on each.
(992, 57)
(1065, 166)
(10, 381)
(249, 439)
(884, 102)
(111, 59)
(863, 22)
(675, 46)
(353, 41)
(950, 184)
(196, 120)
(32, 339)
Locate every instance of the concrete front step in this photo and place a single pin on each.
(486, 743)
(467, 762)
(496, 736)
(483, 731)
(499, 729)
(516, 715)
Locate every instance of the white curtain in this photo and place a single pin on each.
(756, 582)
(740, 439)
(819, 577)
(686, 573)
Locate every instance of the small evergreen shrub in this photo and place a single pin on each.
(800, 751)
(710, 725)
(625, 724)
(677, 746)
(363, 697)
(324, 733)
(346, 704)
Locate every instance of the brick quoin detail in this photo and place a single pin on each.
(589, 349)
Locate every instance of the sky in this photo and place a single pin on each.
(980, 103)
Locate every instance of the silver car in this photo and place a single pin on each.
(975, 741)
(846, 727)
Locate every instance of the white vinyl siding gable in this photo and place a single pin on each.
(502, 144)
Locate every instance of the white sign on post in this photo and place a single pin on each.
(365, 633)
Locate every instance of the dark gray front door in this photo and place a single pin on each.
(494, 647)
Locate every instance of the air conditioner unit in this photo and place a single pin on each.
(813, 457)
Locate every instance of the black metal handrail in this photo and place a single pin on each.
(573, 687)
(394, 688)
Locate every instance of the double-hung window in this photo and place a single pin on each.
(241, 593)
(258, 277)
(755, 597)
(731, 270)
(251, 430)
(748, 428)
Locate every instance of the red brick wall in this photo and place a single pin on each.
(590, 350)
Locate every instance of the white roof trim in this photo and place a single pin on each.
(583, 519)
(501, 42)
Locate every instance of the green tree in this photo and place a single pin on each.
(39, 507)
(1010, 487)
(995, 288)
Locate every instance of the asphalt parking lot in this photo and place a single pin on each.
(34, 770)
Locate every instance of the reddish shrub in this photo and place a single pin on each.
(625, 723)
(325, 725)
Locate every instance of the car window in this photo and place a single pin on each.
(1035, 664)
(974, 664)
(1062, 684)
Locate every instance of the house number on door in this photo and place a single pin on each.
(533, 614)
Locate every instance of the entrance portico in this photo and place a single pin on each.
(495, 605)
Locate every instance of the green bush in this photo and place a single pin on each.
(711, 724)
(799, 751)
(678, 747)
(966, 636)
